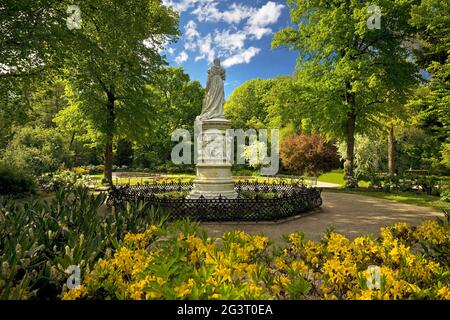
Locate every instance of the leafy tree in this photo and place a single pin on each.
(246, 107)
(32, 46)
(370, 155)
(46, 102)
(416, 149)
(174, 101)
(116, 54)
(310, 154)
(284, 106)
(349, 73)
(34, 35)
(432, 52)
(124, 153)
(37, 150)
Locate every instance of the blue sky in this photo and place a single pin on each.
(239, 32)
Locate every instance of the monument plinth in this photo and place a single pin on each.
(213, 145)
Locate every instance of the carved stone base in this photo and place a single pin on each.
(213, 180)
(213, 169)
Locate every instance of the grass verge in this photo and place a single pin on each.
(419, 199)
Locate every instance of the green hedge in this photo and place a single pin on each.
(15, 182)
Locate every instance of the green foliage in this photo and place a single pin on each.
(445, 195)
(246, 107)
(63, 179)
(349, 76)
(284, 106)
(428, 184)
(124, 153)
(432, 52)
(430, 18)
(46, 101)
(169, 167)
(308, 154)
(417, 150)
(258, 195)
(370, 155)
(37, 150)
(114, 55)
(39, 241)
(174, 101)
(445, 153)
(14, 181)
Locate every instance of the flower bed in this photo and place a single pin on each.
(181, 262)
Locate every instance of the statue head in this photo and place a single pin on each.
(217, 62)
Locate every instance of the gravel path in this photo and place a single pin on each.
(351, 215)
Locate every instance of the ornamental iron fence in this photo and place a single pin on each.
(256, 201)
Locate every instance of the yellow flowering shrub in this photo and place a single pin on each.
(432, 232)
(160, 264)
(183, 263)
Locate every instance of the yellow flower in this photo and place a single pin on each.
(338, 274)
(75, 293)
(338, 245)
(432, 232)
(444, 293)
(279, 263)
(160, 281)
(185, 288)
(223, 272)
(152, 295)
(253, 290)
(366, 294)
(260, 242)
(329, 297)
(299, 266)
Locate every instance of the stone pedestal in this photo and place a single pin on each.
(213, 148)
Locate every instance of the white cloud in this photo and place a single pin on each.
(208, 12)
(245, 56)
(183, 5)
(182, 57)
(237, 13)
(229, 41)
(170, 50)
(191, 30)
(258, 32)
(229, 44)
(265, 16)
(191, 36)
(205, 49)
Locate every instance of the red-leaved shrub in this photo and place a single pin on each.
(308, 154)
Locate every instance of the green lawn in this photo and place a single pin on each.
(337, 176)
(416, 198)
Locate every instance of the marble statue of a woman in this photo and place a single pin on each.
(215, 96)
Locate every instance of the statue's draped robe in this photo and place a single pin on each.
(215, 96)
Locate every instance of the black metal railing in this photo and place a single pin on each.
(256, 201)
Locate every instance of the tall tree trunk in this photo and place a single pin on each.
(300, 126)
(72, 139)
(349, 164)
(108, 155)
(391, 151)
